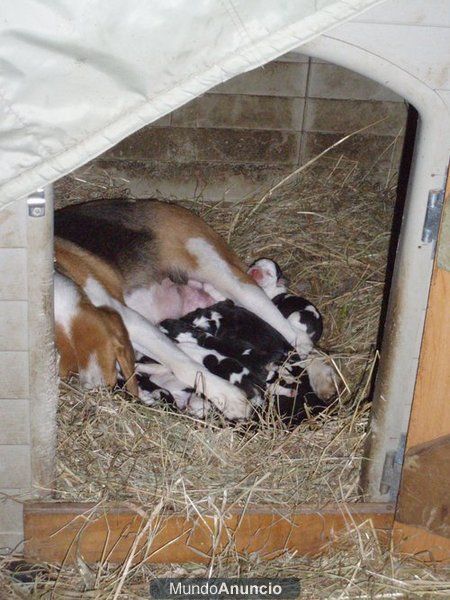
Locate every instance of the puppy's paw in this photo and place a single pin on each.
(157, 396)
(229, 399)
(147, 398)
(197, 407)
(304, 345)
(322, 378)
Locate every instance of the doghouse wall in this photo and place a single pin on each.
(256, 128)
(15, 449)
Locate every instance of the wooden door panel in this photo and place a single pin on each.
(422, 521)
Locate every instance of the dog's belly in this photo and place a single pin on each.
(167, 300)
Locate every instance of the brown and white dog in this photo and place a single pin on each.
(90, 340)
(120, 251)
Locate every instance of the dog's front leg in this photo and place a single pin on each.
(235, 284)
(148, 339)
(253, 298)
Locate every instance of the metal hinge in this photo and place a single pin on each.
(36, 203)
(433, 216)
(392, 470)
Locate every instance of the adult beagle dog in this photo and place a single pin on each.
(121, 253)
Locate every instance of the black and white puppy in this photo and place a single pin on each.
(229, 341)
(301, 313)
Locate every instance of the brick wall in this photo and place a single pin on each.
(259, 126)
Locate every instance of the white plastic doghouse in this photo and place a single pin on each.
(78, 77)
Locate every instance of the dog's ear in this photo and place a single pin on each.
(278, 270)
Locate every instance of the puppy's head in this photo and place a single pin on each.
(268, 275)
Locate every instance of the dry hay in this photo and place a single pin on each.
(114, 448)
(356, 567)
(330, 236)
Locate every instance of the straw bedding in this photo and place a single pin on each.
(330, 236)
(329, 231)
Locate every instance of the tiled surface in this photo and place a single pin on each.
(11, 519)
(14, 375)
(15, 466)
(13, 325)
(13, 225)
(274, 79)
(241, 111)
(157, 143)
(378, 155)
(215, 181)
(10, 542)
(180, 144)
(14, 417)
(13, 274)
(331, 81)
(346, 116)
(247, 146)
(273, 118)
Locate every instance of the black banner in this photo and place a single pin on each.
(255, 588)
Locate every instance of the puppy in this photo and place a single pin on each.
(302, 315)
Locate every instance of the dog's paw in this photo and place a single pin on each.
(197, 407)
(322, 378)
(158, 396)
(227, 398)
(304, 345)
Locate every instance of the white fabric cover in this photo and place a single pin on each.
(77, 76)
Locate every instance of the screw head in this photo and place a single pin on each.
(36, 211)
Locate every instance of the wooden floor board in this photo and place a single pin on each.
(58, 532)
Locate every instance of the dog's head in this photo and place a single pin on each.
(268, 275)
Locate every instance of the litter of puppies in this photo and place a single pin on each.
(235, 344)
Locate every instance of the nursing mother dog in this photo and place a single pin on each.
(119, 252)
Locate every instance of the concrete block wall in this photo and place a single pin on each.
(15, 436)
(28, 383)
(258, 127)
